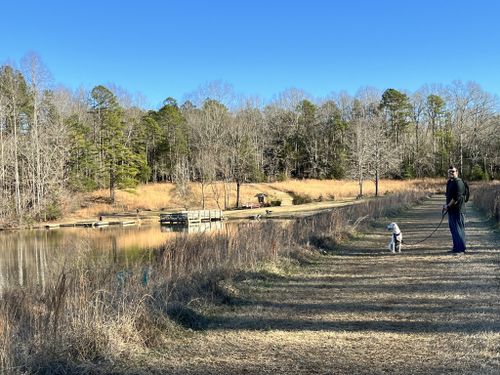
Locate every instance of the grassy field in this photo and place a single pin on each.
(89, 311)
(165, 196)
(358, 310)
(311, 295)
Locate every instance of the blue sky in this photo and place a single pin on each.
(170, 48)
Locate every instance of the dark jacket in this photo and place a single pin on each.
(455, 189)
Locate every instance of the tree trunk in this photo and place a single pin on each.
(202, 194)
(226, 198)
(238, 185)
(360, 181)
(112, 187)
(17, 182)
(38, 182)
(461, 155)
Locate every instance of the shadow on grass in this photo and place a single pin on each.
(383, 325)
(186, 317)
(366, 288)
(257, 276)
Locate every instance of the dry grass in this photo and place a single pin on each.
(166, 196)
(358, 310)
(362, 311)
(340, 189)
(486, 196)
(96, 312)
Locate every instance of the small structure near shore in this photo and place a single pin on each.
(191, 217)
(261, 197)
(89, 224)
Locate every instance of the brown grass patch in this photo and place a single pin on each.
(99, 309)
(165, 196)
(486, 197)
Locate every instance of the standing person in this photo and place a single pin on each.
(455, 192)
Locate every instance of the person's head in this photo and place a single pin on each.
(452, 171)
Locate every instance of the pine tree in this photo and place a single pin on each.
(119, 166)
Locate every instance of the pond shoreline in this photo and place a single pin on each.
(288, 212)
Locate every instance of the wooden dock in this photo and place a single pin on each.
(90, 224)
(191, 217)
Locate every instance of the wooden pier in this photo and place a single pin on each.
(90, 224)
(191, 217)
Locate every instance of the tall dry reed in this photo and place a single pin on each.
(486, 197)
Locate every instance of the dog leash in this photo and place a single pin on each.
(430, 235)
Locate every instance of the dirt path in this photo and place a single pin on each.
(362, 310)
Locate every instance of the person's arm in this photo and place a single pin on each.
(446, 207)
(451, 204)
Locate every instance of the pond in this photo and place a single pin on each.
(31, 257)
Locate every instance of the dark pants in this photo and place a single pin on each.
(457, 229)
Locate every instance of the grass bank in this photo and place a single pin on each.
(94, 315)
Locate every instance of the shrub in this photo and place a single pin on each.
(282, 177)
(478, 174)
(300, 199)
(52, 212)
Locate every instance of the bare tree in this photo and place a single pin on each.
(208, 127)
(372, 150)
(359, 154)
(3, 162)
(13, 89)
(383, 156)
(471, 109)
(37, 77)
(243, 148)
(219, 91)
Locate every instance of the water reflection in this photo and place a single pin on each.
(33, 257)
(194, 228)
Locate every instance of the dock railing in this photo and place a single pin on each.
(191, 217)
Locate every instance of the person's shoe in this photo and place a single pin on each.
(454, 252)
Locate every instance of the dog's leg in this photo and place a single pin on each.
(399, 246)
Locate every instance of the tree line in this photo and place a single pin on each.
(54, 141)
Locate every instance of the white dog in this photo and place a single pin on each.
(396, 238)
